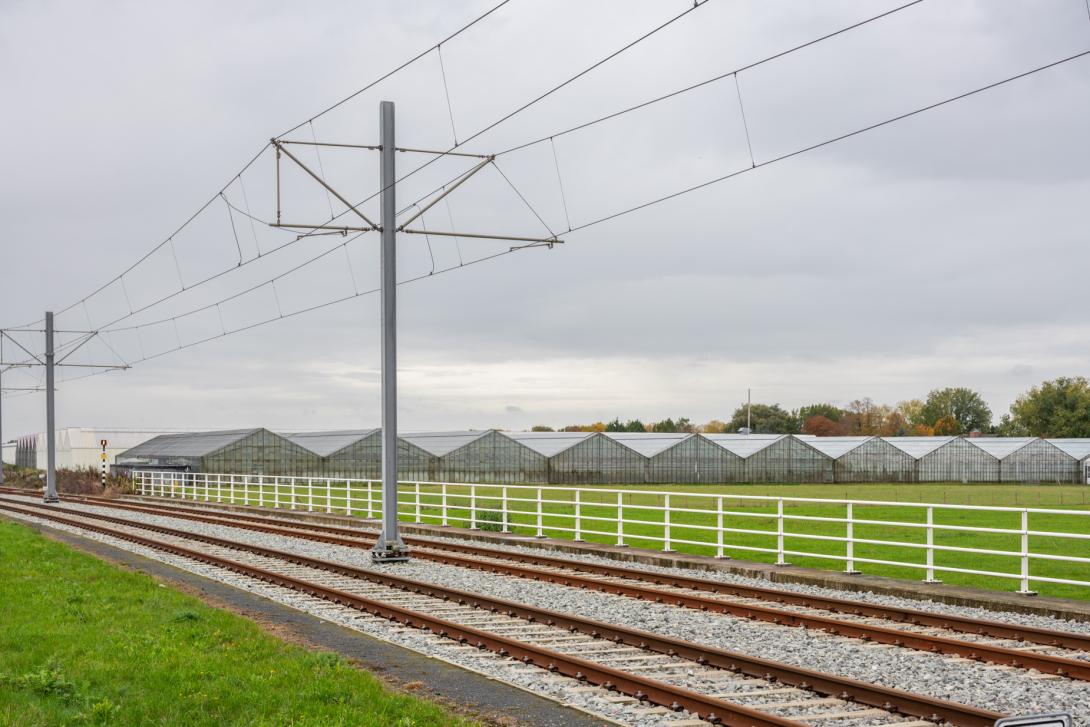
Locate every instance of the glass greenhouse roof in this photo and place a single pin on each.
(188, 444)
(744, 445)
(1077, 448)
(548, 443)
(836, 447)
(326, 443)
(999, 447)
(648, 443)
(440, 443)
(918, 446)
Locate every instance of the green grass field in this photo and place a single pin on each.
(85, 643)
(694, 520)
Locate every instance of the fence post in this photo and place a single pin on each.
(666, 522)
(473, 507)
(444, 503)
(779, 533)
(849, 564)
(276, 493)
(931, 547)
(416, 490)
(231, 489)
(719, 528)
(506, 529)
(1025, 590)
(540, 532)
(328, 496)
(578, 515)
(310, 494)
(620, 519)
(370, 501)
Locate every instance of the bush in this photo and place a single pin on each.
(81, 481)
(490, 520)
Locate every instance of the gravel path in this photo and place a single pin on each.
(997, 688)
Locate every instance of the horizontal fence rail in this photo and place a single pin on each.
(1014, 543)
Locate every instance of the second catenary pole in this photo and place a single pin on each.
(389, 546)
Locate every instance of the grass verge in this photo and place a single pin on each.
(85, 643)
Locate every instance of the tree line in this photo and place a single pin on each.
(1057, 408)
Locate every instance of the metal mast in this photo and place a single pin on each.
(50, 416)
(389, 547)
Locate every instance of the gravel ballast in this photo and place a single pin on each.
(990, 687)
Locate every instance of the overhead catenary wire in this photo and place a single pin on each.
(664, 198)
(724, 177)
(835, 139)
(155, 248)
(713, 79)
(439, 155)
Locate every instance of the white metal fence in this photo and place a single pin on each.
(1033, 542)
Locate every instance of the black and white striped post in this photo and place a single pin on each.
(102, 456)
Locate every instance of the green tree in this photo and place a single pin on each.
(830, 412)
(666, 425)
(965, 406)
(767, 419)
(635, 425)
(541, 428)
(1057, 408)
(912, 411)
(615, 425)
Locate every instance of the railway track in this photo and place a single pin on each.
(716, 685)
(1048, 651)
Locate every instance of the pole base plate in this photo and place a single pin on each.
(51, 500)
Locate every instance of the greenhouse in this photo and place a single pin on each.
(355, 453)
(695, 458)
(597, 459)
(493, 457)
(865, 459)
(1030, 460)
(244, 451)
(957, 461)
(777, 457)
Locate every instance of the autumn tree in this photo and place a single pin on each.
(966, 406)
(947, 426)
(821, 426)
(1057, 408)
(715, 426)
(767, 418)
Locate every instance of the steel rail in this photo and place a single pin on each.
(890, 699)
(983, 627)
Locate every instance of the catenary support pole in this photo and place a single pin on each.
(1, 415)
(50, 416)
(389, 547)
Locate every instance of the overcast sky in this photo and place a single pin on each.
(949, 249)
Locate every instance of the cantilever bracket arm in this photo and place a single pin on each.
(26, 350)
(448, 190)
(280, 148)
(78, 346)
(513, 238)
(335, 228)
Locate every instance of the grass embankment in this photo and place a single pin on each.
(599, 511)
(85, 643)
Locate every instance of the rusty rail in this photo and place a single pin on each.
(883, 697)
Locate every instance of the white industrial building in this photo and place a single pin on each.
(77, 447)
